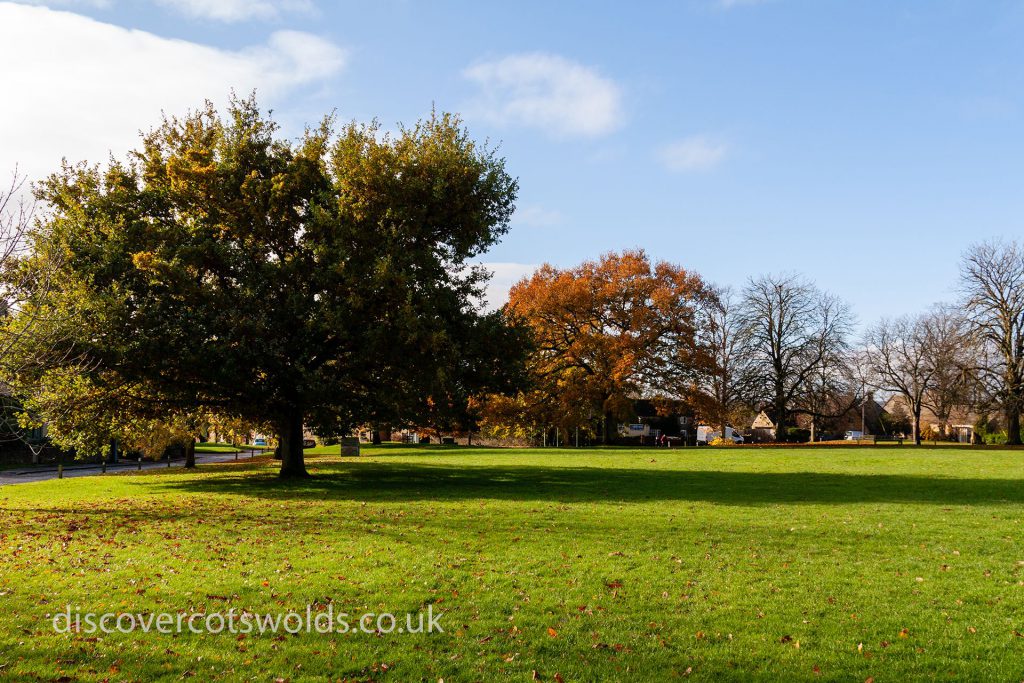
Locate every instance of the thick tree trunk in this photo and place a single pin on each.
(780, 424)
(1012, 424)
(293, 464)
(916, 427)
(190, 454)
(375, 437)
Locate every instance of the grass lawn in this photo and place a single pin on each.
(897, 564)
(216, 447)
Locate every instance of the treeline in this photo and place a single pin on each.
(611, 331)
(222, 273)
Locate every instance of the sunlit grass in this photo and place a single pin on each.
(897, 564)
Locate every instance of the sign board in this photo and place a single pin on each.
(350, 446)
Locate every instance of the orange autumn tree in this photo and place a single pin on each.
(607, 332)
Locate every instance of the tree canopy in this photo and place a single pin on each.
(608, 332)
(310, 282)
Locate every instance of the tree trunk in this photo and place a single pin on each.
(609, 428)
(190, 454)
(293, 464)
(1012, 423)
(780, 424)
(375, 437)
(916, 427)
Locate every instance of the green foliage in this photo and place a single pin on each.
(324, 281)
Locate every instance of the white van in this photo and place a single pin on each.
(706, 435)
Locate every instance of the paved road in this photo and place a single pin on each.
(44, 472)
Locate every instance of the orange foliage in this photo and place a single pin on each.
(610, 331)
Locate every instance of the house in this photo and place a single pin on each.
(846, 413)
(762, 430)
(959, 427)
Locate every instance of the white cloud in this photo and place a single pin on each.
(80, 88)
(729, 4)
(694, 153)
(219, 10)
(546, 91)
(237, 10)
(95, 4)
(537, 217)
(505, 275)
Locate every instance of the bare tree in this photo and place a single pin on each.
(728, 378)
(832, 389)
(24, 339)
(992, 281)
(792, 332)
(951, 354)
(899, 362)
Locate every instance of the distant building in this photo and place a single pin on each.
(959, 427)
(762, 430)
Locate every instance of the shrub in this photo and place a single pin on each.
(797, 435)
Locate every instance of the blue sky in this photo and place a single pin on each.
(864, 144)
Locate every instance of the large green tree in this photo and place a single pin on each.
(312, 282)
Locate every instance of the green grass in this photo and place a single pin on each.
(834, 564)
(212, 447)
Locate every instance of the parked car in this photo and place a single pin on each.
(853, 435)
(259, 442)
(308, 443)
(706, 435)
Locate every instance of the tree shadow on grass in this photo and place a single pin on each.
(405, 481)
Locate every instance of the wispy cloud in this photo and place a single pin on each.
(120, 80)
(537, 217)
(505, 274)
(729, 4)
(70, 4)
(238, 10)
(546, 91)
(227, 11)
(694, 153)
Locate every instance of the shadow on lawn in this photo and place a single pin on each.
(365, 481)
